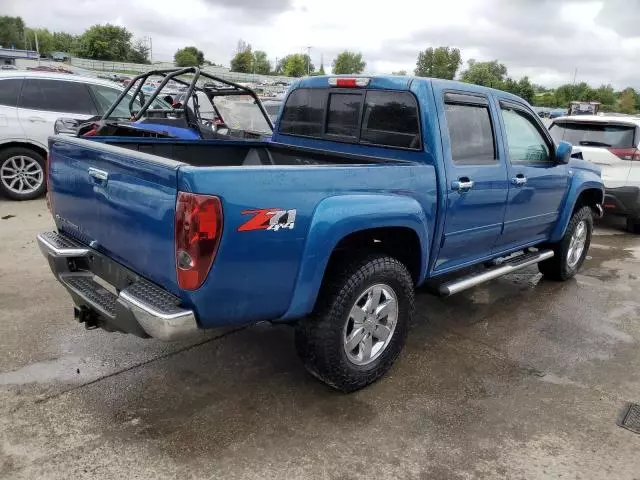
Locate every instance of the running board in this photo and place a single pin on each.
(508, 266)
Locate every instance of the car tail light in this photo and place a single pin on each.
(626, 153)
(198, 229)
(347, 82)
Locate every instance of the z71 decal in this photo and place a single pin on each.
(269, 219)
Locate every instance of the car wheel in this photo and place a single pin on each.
(571, 251)
(360, 323)
(633, 225)
(22, 173)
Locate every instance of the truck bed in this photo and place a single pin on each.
(123, 202)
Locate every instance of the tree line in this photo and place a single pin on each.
(246, 60)
(99, 42)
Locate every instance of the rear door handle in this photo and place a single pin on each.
(36, 120)
(462, 185)
(519, 180)
(98, 175)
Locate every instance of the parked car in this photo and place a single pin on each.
(369, 187)
(30, 103)
(613, 143)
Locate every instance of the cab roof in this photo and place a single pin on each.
(395, 82)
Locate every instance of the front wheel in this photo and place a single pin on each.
(360, 323)
(571, 251)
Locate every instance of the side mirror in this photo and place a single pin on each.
(66, 126)
(563, 152)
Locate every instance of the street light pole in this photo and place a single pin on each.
(309, 60)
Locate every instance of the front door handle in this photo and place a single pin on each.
(98, 175)
(463, 184)
(36, 120)
(519, 180)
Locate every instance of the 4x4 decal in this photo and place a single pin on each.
(268, 219)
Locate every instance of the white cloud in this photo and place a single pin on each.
(545, 39)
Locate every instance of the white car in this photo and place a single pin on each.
(30, 103)
(613, 143)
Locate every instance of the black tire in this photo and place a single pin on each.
(319, 337)
(557, 267)
(633, 225)
(8, 153)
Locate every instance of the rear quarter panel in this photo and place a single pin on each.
(256, 272)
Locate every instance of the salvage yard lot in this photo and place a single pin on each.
(517, 378)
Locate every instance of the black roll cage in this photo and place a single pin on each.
(231, 88)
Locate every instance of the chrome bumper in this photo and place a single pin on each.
(139, 307)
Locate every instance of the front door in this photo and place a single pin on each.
(537, 183)
(476, 180)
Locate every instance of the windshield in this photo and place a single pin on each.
(594, 134)
(240, 112)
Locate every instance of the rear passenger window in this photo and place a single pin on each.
(304, 113)
(10, 91)
(344, 114)
(391, 118)
(57, 96)
(471, 134)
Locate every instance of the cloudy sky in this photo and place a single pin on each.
(545, 39)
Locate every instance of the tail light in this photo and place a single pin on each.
(198, 228)
(626, 153)
(347, 82)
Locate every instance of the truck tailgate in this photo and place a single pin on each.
(120, 202)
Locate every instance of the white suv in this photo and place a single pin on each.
(30, 103)
(613, 142)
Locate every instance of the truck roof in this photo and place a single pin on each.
(396, 82)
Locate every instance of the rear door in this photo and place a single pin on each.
(44, 100)
(612, 145)
(476, 179)
(537, 184)
(121, 202)
(10, 127)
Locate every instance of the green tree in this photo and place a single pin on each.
(441, 62)
(260, 63)
(242, 62)
(606, 96)
(526, 89)
(139, 52)
(488, 74)
(12, 32)
(63, 42)
(188, 57)
(45, 40)
(321, 71)
(628, 100)
(348, 62)
(402, 73)
(105, 42)
(295, 65)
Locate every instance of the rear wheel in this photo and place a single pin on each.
(22, 173)
(360, 323)
(633, 225)
(571, 251)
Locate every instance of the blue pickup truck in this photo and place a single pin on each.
(368, 188)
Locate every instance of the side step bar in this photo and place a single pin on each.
(509, 266)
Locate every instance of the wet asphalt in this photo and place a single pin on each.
(520, 378)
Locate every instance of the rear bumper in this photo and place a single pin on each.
(623, 201)
(135, 305)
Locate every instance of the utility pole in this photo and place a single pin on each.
(35, 32)
(575, 74)
(309, 60)
(150, 49)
